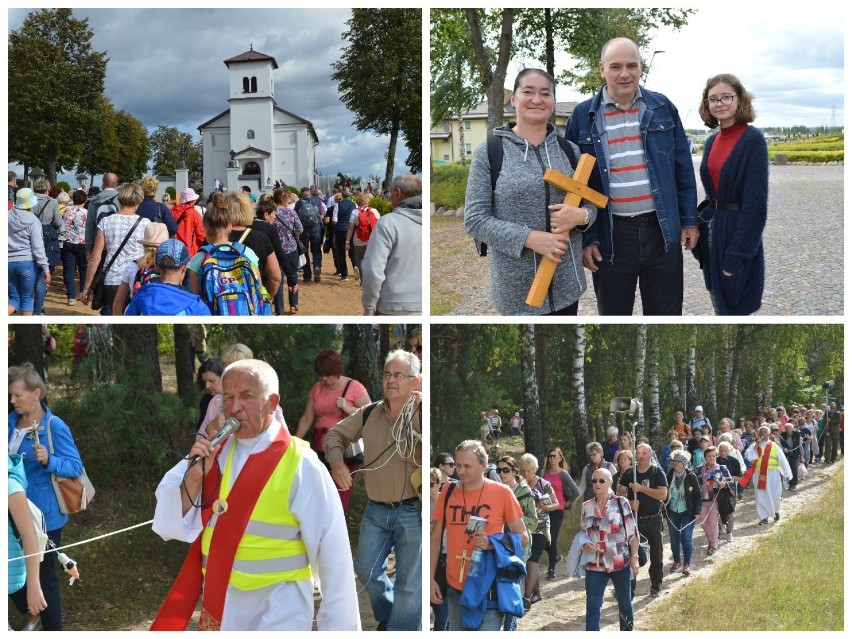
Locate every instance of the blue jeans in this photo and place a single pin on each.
(493, 619)
(384, 528)
(683, 539)
(640, 254)
(73, 258)
(595, 585)
(40, 289)
(22, 279)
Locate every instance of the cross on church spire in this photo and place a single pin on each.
(251, 46)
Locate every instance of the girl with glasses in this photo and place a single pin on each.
(735, 175)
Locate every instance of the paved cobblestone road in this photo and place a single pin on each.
(803, 244)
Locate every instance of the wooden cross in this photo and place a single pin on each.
(33, 430)
(464, 559)
(576, 190)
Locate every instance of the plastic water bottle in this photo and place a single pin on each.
(475, 560)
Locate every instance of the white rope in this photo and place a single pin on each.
(86, 541)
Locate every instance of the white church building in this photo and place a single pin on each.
(255, 142)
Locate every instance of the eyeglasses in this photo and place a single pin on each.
(593, 455)
(397, 376)
(553, 455)
(598, 481)
(504, 470)
(725, 100)
(449, 463)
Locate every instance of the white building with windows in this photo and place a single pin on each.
(255, 142)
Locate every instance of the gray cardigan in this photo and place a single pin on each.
(518, 206)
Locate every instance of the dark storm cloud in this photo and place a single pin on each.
(166, 67)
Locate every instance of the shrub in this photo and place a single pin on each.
(172, 193)
(449, 183)
(64, 186)
(816, 157)
(381, 205)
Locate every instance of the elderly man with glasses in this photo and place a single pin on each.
(391, 431)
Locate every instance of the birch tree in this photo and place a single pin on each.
(654, 388)
(690, 370)
(578, 377)
(533, 427)
(641, 339)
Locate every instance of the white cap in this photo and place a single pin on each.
(517, 414)
(698, 408)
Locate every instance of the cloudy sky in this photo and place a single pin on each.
(791, 61)
(166, 68)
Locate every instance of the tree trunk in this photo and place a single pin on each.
(136, 346)
(712, 410)
(578, 376)
(28, 346)
(549, 54)
(674, 387)
(391, 157)
(492, 80)
(729, 370)
(654, 390)
(184, 361)
(533, 428)
(735, 373)
(690, 371)
(639, 386)
(362, 360)
(541, 356)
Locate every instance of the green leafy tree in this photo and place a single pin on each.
(100, 150)
(169, 146)
(453, 86)
(379, 77)
(582, 33)
(55, 80)
(132, 137)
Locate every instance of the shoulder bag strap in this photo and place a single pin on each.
(49, 437)
(121, 246)
(343, 395)
(450, 490)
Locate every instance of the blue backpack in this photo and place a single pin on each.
(230, 283)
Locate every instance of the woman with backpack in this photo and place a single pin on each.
(361, 225)
(286, 221)
(521, 219)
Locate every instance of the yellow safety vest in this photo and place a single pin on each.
(271, 549)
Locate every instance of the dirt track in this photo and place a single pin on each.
(563, 606)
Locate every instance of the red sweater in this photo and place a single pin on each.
(722, 147)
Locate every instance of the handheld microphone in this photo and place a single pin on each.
(231, 424)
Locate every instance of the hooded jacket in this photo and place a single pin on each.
(159, 298)
(391, 268)
(500, 572)
(25, 238)
(504, 218)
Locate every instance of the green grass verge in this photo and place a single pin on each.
(792, 581)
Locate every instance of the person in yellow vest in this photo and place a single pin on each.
(264, 520)
(768, 465)
(392, 477)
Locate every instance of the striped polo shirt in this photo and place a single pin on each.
(629, 185)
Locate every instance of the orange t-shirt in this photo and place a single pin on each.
(494, 501)
(682, 431)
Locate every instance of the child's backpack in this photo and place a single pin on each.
(230, 283)
(143, 276)
(367, 221)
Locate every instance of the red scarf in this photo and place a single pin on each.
(179, 605)
(764, 465)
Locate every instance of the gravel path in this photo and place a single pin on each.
(803, 243)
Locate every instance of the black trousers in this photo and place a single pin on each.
(51, 617)
(640, 256)
(652, 530)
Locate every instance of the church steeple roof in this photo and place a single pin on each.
(251, 56)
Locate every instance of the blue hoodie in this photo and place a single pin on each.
(159, 298)
(17, 484)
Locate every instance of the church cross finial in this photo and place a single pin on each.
(251, 46)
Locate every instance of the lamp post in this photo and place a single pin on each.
(648, 68)
(36, 174)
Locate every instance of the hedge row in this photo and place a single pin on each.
(833, 145)
(448, 186)
(815, 157)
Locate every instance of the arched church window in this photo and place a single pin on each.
(245, 85)
(250, 134)
(251, 168)
(254, 84)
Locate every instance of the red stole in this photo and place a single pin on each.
(764, 465)
(179, 605)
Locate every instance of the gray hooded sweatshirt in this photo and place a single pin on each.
(391, 269)
(25, 238)
(517, 206)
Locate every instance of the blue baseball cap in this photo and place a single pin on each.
(172, 254)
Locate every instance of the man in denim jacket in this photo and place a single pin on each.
(645, 167)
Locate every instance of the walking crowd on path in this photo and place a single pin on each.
(502, 513)
(125, 253)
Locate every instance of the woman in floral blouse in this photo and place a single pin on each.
(609, 522)
(73, 250)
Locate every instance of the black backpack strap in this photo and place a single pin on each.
(495, 158)
(569, 151)
(450, 490)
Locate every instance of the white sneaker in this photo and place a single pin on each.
(71, 302)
